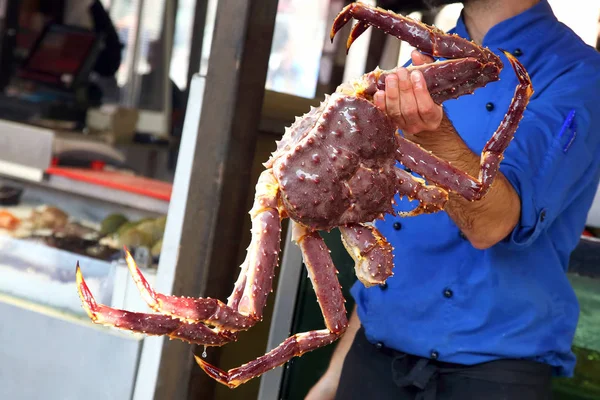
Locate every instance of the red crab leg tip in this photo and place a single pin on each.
(87, 299)
(357, 30)
(216, 373)
(342, 18)
(144, 287)
(518, 68)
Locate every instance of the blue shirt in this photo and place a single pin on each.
(462, 305)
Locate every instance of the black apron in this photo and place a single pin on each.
(371, 372)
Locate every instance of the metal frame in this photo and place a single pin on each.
(151, 359)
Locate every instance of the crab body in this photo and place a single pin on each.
(335, 167)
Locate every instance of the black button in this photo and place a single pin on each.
(408, 170)
(462, 235)
(379, 345)
(517, 53)
(489, 106)
(543, 215)
(397, 226)
(434, 355)
(383, 285)
(448, 293)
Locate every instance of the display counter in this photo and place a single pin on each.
(50, 220)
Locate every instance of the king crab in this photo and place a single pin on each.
(333, 168)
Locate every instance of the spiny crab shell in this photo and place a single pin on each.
(335, 165)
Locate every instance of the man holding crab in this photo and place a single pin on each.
(479, 306)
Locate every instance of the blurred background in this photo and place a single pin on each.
(144, 123)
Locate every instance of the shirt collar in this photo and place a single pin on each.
(525, 24)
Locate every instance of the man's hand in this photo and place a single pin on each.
(407, 101)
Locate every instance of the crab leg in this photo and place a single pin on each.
(428, 39)
(468, 66)
(431, 198)
(323, 276)
(183, 314)
(207, 310)
(150, 324)
(250, 293)
(370, 251)
(451, 178)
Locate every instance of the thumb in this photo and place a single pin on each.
(419, 58)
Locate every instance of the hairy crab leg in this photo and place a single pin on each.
(234, 299)
(183, 317)
(264, 248)
(372, 254)
(468, 66)
(445, 80)
(428, 39)
(448, 177)
(256, 276)
(323, 276)
(206, 310)
(431, 198)
(149, 324)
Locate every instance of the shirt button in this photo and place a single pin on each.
(543, 215)
(434, 355)
(518, 53)
(408, 170)
(448, 293)
(383, 285)
(462, 235)
(397, 226)
(489, 106)
(379, 345)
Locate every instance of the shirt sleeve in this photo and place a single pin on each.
(554, 154)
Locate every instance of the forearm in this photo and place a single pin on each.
(326, 387)
(484, 222)
(407, 102)
(343, 345)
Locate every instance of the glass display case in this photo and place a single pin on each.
(45, 233)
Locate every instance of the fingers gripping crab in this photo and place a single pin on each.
(335, 167)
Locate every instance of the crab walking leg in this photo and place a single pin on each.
(451, 79)
(207, 310)
(323, 276)
(149, 324)
(264, 248)
(451, 178)
(445, 80)
(431, 198)
(372, 254)
(256, 275)
(233, 300)
(466, 68)
(428, 39)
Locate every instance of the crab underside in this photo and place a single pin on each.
(335, 167)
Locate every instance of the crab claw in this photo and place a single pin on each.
(427, 39)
